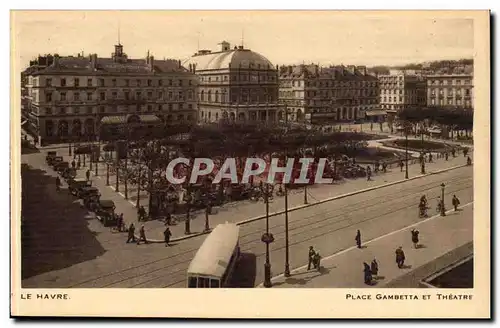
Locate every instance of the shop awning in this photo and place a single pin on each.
(375, 112)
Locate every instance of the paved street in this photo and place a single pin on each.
(239, 211)
(330, 227)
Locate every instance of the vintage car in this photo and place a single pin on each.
(75, 186)
(56, 160)
(105, 212)
(86, 192)
(69, 174)
(50, 156)
(61, 167)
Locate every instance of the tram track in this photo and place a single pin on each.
(295, 226)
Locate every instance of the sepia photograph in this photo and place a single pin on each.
(252, 154)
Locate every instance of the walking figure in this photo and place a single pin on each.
(73, 164)
(368, 173)
(469, 161)
(358, 239)
(466, 150)
(446, 156)
(58, 184)
(312, 253)
(87, 174)
(400, 257)
(167, 234)
(374, 267)
(78, 164)
(401, 165)
(414, 238)
(430, 157)
(142, 235)
(367, 273)
(384, 167)
(131, 233)
(455, 201)
(453, 153)
(141, 214)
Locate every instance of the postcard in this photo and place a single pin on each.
(250, 164)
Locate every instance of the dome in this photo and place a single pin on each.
(236, 58)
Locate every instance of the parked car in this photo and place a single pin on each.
(75, 186)
(105, 212)
(55, 160)
(69, 174)
(50, 156)
(87, 192)
(61, 167)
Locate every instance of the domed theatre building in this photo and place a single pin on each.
(235, 84)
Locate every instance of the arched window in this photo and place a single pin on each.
(209, 96)
(77, 128)
(202, 95)
(216, 96)
(62, 128)
(49, 128)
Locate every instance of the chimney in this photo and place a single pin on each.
(93, 61)
(179, 61)
(56, 59)
(151, 63)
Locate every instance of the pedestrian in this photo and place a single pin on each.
(58, 183)
(374, 267)
(455, 201)
(421, 158)
(453, 152)
(430, 157)
(167, 234)
(358, 238)
(87, 174)
(446, 156)
(401, 165)
(384, 167)
(400, 257)
(73, 164)
(367, 273)
(131, 233)
(466, 150)
(168, 218)
(414, 237)
(311, 257)
(368, 173)
(78, 163)
(142, 235)
(469, 161)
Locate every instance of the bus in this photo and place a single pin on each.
(215, 260)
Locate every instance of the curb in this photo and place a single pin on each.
(299, 207)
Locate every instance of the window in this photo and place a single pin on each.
(400, 99)
(63, 82)
(102, 96)
(170, 106)
(76, 110)
(127, 95)
(101, 109)
(181, 95)
(150, 83)
(160, 107)
(48, 111)
(77, 96)
(190, 95)
(190, 106)
(63, 96)
(77, 82)
(127, 82)
(214, 283)
(138, 108)
(191, 81)
(113, 95)
(192, 282)
(150, 94)
(48, 96)
(89, 82)
(62, 110)
(170, 82)
(89, 110)
(48, 82)
(138, 95)
(89, 96)
(181, 106)
(160, 83)
(138, 82)
(150, 108)
(113, 81)
(467, 92)
(160, 95)
(170, 95)
(458, 82)
(101, 82)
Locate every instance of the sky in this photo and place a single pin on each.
(284, 37)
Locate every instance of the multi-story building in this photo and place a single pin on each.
(235, 84)
(66, 98)
(335, 93)
(450, 90)
(402, 89)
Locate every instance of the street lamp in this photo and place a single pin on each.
(287, 246)
(187, 223)
(406, 150)
(443, 212)
(267, 238)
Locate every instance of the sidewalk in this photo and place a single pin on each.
(438, 236)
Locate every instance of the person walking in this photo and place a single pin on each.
(401, 165)
(73, 164)
(414, 237)
(367, 273)
(446, 156)
(400, 257)
(142, 236)
(311, 254)
(455, 201)
(131, 233)
(167, 234)
(358, 239)
(368, 173)
(87, 174)
(374, 267)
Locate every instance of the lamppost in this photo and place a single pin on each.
(305, 194)
(207, 212)
(187, 226)
(267, 238)
(422, 164)
(443, 212)
(287, 246)
(107, 172)
(406, 151)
